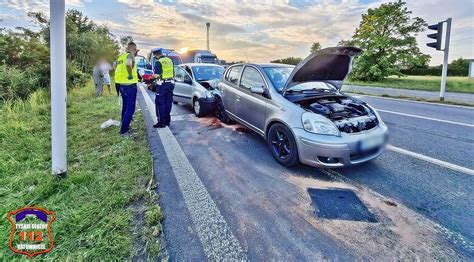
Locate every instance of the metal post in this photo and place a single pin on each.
(445, 61)
(58, 87)
(207, 37)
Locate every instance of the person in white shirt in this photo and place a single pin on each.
(105, 68)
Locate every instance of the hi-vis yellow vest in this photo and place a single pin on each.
(166, 67)
(121, 73)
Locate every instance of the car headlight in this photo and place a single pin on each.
(318, 124)
(209, 94)
(381, 123)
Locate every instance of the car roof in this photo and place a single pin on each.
(266, 64)
(199, 64)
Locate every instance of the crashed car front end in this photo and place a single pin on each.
(336, 130)
(339, 131)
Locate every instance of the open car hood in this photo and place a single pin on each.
(330, 65)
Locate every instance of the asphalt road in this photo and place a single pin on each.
(413, 202)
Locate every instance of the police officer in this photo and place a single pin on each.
(163, 85)
(126, 78)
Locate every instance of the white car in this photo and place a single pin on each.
(195, 85)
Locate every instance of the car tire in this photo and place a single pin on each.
(198, 108)
(221, 114)
(282, 144)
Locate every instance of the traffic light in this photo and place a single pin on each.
(438, 35)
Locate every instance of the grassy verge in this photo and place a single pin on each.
(105, 209)
(427, 83)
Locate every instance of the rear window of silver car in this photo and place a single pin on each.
(233, 75)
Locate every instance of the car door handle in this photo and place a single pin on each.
(237, 98)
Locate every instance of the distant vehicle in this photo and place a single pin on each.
(144, 68)
(195, 85)
(174, 56)
(301, 112)
(200, 56)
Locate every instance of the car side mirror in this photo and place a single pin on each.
(188, 80)
(257, 89)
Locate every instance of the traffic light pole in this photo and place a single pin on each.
(444, 73)
(58, 87)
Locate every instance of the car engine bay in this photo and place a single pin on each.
(209, 84)
(349, 115)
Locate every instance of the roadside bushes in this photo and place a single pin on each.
(16, 83)
(435, 71)
(25, 54)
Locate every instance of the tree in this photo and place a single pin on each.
(315, 47)
(387, 37)
(125, 40)
(289, 60)
(24, 53)
(460, 64)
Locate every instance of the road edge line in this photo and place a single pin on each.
(216, 237)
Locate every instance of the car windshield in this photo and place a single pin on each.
(176, 60)
(278, 76)
(208, 59)
(204, 73)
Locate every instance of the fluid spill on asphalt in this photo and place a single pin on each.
(214, 123)
(400, 233)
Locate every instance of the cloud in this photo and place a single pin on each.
(258, 29)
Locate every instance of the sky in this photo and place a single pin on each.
(254, 30)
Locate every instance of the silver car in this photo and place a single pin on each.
(301, 112)
(195, 85)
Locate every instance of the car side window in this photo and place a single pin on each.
(179, 74)
(251, 78)
(234, 74)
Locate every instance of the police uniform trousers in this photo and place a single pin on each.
(129, 97)
(164, 102)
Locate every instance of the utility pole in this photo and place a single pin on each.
(437, 45)
(207, 37)
(444, 73)
(58, 87)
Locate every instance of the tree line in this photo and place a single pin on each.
(25, 53)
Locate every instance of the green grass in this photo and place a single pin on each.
(428, 83)
(96, 205)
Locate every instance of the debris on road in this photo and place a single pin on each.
(109, 123)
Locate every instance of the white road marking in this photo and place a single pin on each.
(410, 101)
(216, 237)
(431, 160)
(426, 118)
(183, 117)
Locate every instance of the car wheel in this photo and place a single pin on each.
(197, 108)
(221, 114)
(282, 145)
